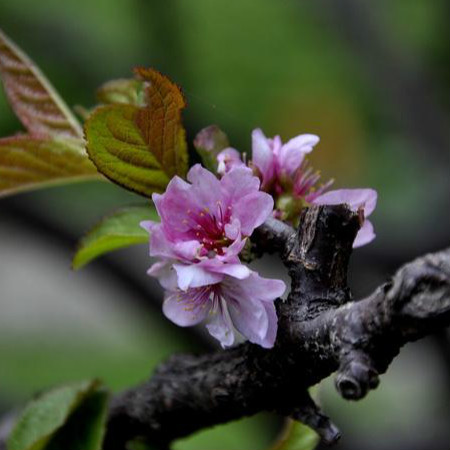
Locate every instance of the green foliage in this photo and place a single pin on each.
(128, 91)
(141, 148)
(70, 417)
(52, 151)
(28, 162)
(297, 436)
(120, 229)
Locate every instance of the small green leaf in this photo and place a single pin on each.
(297, 436)
(31, 162)
(121, 229)
(128, 91)
(45, 417)
(34, 100)
(141, 148)
(85, 428)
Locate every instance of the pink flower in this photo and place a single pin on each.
(364, 200)
(207, 217)
(228, 159)
(305, 183)
(247, 305)
(275, 160)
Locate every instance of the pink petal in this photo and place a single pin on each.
(173, 207)
(167, 277)
(205, 187)
(160, 246)
(293, 152)
(194, 275)
(233, 250)
(355, 198)
(233, 229)
(252, 210)
(179, 308)
(221, 328)
(239, 271)
(250, 303)
(262, 156)
(272, 328)
(148, 225)
(249, 317)
(263, 289)
(228, 159)
(238, 183)
(365, 235)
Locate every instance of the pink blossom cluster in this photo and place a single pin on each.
(285, 173)
(205, 223)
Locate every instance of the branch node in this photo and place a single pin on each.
(356, 376)
(310, 414)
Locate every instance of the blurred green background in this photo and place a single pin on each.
(370, 78)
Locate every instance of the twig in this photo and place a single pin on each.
(320, 332)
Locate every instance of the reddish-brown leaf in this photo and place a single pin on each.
(141, 147)
(32, 97)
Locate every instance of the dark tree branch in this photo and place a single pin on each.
(320, 332)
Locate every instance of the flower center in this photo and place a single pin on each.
(208, 227)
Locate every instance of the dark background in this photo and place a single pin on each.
(370, 78)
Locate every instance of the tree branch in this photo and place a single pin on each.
(320, 332)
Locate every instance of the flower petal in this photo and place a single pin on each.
(252, 210)
(248, 316)
(272, 328)
(194, 275)
(262, 156)
(205, 187)
(293, 152)
(250, 302)
(221, 328)
(239, 271)
(173, 205)
(182, 309)
(257, 287)
(238, 183)
(160, 246)
(228, 159)
(355, 198)
(365, 235)
(167, 277)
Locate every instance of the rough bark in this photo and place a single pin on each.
(321, 331)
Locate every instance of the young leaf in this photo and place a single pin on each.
(29, 162)
(45, 418)
(297, 436)
(32, 97)
(121, 229)
(141, 148)
(85, 428)
(128, 91)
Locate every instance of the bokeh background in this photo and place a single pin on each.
(370, 78)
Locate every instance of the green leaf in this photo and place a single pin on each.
(44, 420)
(31, 162)
(53, 150)
(34, 100)
(297, 436)
(141, 148)
(85, 428)
(121, 229)
(128, 91)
